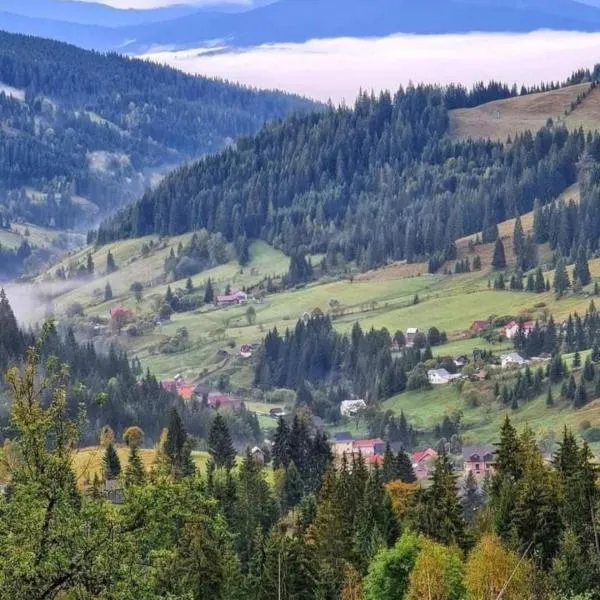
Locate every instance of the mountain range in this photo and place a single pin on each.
(265, 21)
(97, 128)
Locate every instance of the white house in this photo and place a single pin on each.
(350, 408)
(512, 328)
(440, 376)
(512, 360)
(411, 332)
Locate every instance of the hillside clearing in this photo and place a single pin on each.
(506, 118)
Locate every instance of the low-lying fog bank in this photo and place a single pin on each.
(337, 69)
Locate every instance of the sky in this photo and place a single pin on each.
(336, 69)
(160, 3)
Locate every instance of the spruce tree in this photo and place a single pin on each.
(280, 452)
(189, 285)
(581, 271)
(499, 258)
(589, 372)
(111, 463)
(108, 293)
(89, 264)
(404, 468)
(441, 515)
(389, 465)
(134, 471)
(518, 238)
(549, 397)
(209, 293)
(220, 445)
(293, 488)
(111, 266)
(472, 499)
(561, 278)
(177, 447)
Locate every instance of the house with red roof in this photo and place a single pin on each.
(234, 297)
(479, 326)
(218, 400)
(368, 447)
(422, 461)
(183, 389)
(117, 312)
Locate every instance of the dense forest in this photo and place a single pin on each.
(315, 529)
(381, 181)
(78, 124)
(111, 389)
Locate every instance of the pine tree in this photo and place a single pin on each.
(518, 238)
(577, 360)
(177, 447)
(540, 284)
(220, 445)
(404, 468)
(189, 285)
(561, 278)
(111, 463)
(549, 398)
(589, 372)
(499, 258)
(111, 266)
(581, 271)
(108, 293)
(472, 499)
(134, 471)
(89, 264)
(293, 488)
(281, 451)
(440, 515)
(389, 465)
(209, 293)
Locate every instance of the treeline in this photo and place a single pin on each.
(113, 390)
(315, 354)
(382, 181)
(89, 124)
(526, 531)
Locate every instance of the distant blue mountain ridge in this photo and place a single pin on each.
(104, 28)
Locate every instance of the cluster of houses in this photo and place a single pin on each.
(187, 391)
(478, 460)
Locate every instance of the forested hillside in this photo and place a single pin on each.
(381, 181)
(82, 132)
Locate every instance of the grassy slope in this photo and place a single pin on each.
(503, 118)
(38, 236)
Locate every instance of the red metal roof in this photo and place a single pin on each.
(423, 454)
(367, 443)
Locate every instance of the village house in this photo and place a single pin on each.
(409, 337)
(512, 328)
(351, 408)
(342, 443)
(368, 447)
(179, 385)
(479, 460)
(479, 326)
(441, 376)
(422, 461)
(512, 360)
(234, 297)
(218, 400)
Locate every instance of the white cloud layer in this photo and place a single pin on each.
(138, 4)
(338, 68)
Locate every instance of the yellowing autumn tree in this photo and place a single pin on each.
(352, 589)
(491, 567)
(437, 574)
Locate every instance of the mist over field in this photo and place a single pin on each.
(337, 68)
